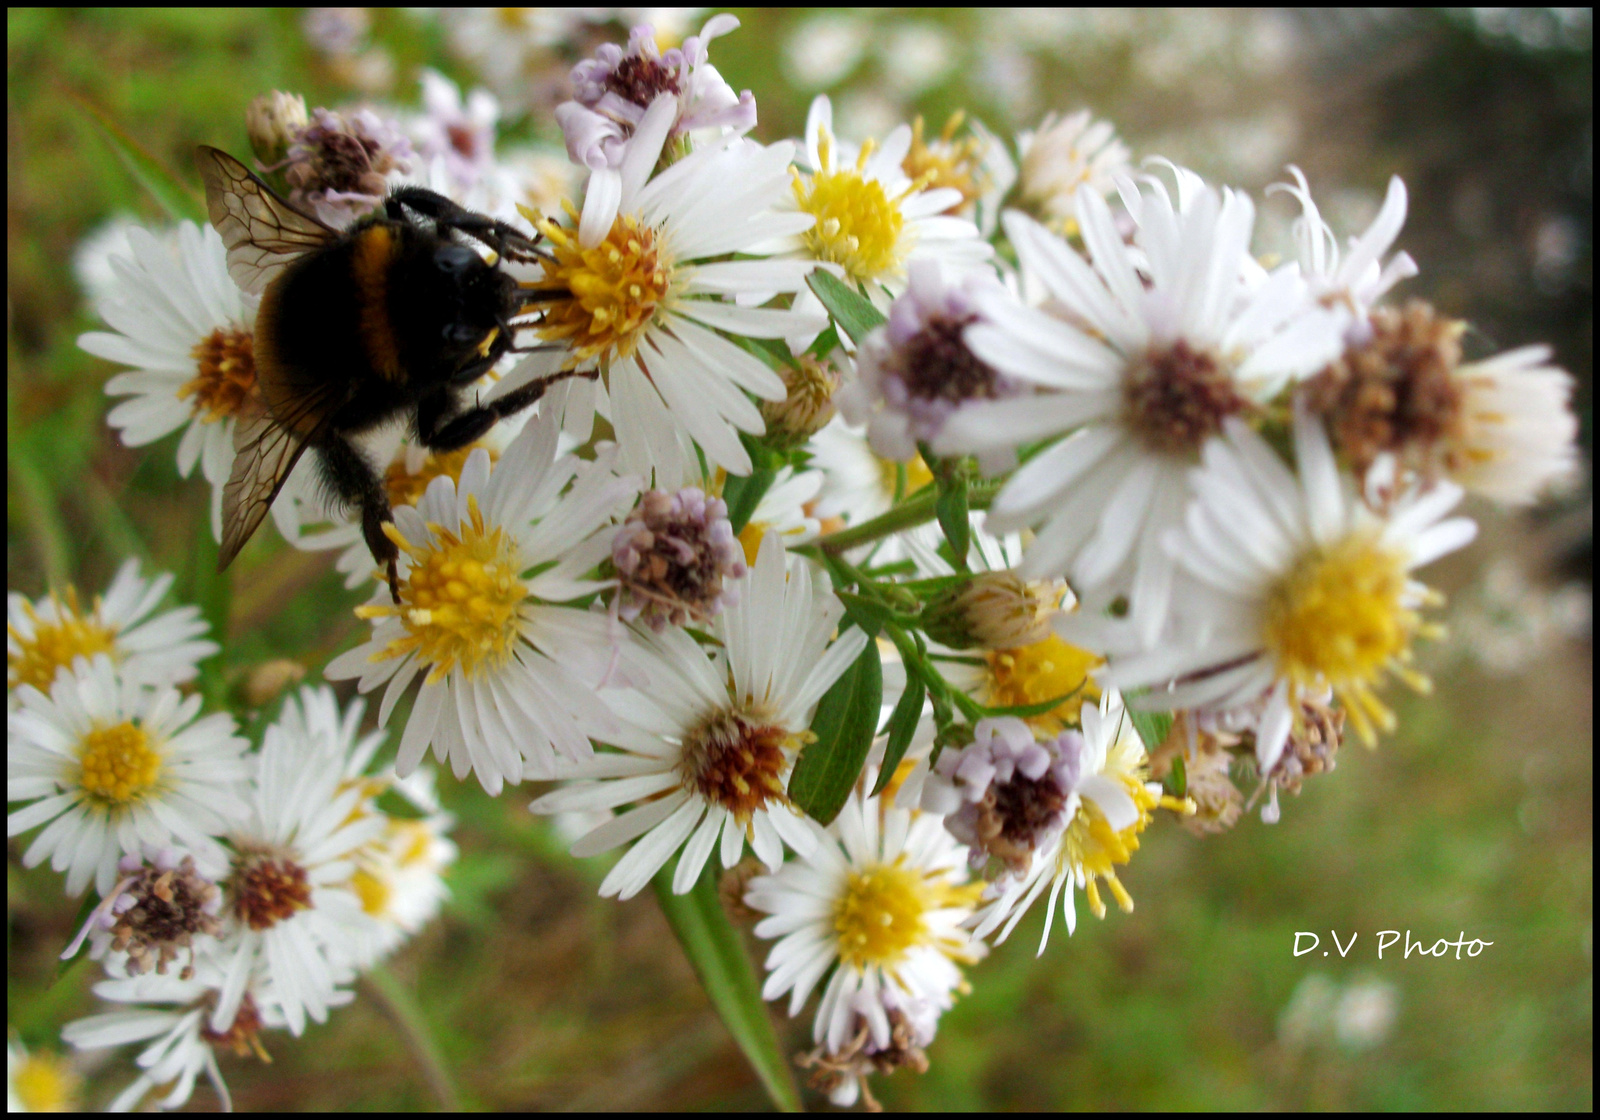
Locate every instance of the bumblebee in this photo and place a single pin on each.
(392, 315)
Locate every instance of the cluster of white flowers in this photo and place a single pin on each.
(668, 616)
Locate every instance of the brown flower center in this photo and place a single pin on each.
(242, 1035)
(268, 889)
(1177, 398)
(641, 80)
(936, 364)
(225, 374)
(1398, 392)
(735, 761)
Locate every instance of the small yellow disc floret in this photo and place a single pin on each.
(615, 289)
(858, 224)
(119, 764)
(54, 644)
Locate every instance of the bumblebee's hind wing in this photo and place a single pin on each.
(265, 451)
(263, 233)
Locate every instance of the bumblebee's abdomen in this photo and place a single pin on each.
(374, 252)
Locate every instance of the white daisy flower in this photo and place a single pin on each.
(709, 748)
(1361, 278)
(460, 132)
(872, 220)
(914, 372)
(169, 1013)
(1161, 342)
(615, 89)
(977, 165)
(115, 767)
(1067, 811)
(880, 900)
(510, 672)
(290, 915)
(1297, 587)
(188, 332)
(1064, 154)
(399, 879)
(645, 304)
(1517, 433)
(39, 1081)
(44, 636)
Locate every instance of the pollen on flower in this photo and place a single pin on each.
(406, 487)
(614, 288)
(119, 764)
(70, 633)
(948, 162)
(1343, 616)
(858, 224)
(459, 601)
(225, 374)
(267, 888)
(1035, 673)
(736, 760)
(1175, 399)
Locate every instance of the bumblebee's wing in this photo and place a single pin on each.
(262, 231)
(265, 450)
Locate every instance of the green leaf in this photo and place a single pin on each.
(212, 592)
(169, 191)
(713, 947)
(951, 509)
(827, 342)
(744, 492)
(1151, 726)
(851, 310)
(869, 614)
(1178, 780)
(847, 718)
(902, 724)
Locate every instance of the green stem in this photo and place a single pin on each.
(404, 1012)
(921, 508)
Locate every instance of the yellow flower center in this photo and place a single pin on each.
(409, 841)
(1035, 673)
(55, 643)
(880, 915)
(948, 162)
(1340, 616)
(406, 487)
(373, 890)
(119, 764)
(1094, 847)
(225, 374)
(44, 1083)
(613, 289)
(460, 601)
(858, 224)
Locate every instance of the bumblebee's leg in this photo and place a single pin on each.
(440, 431)
(502, 238)
(350, 478)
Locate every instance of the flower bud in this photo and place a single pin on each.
(272, 122)
(807, 405)
(995, 610)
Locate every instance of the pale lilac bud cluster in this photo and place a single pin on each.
(1006, 793)
(338, 165)
(916, 370)
(675, 556)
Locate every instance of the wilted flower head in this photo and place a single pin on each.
(338, 166)
(811, 385)
(995, 610)
(154, 913)
(273, 121)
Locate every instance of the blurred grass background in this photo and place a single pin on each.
(1475, 817)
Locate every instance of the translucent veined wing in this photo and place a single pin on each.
(263, 233)
(265, 449)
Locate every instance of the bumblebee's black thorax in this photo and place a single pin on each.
(391, 308)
